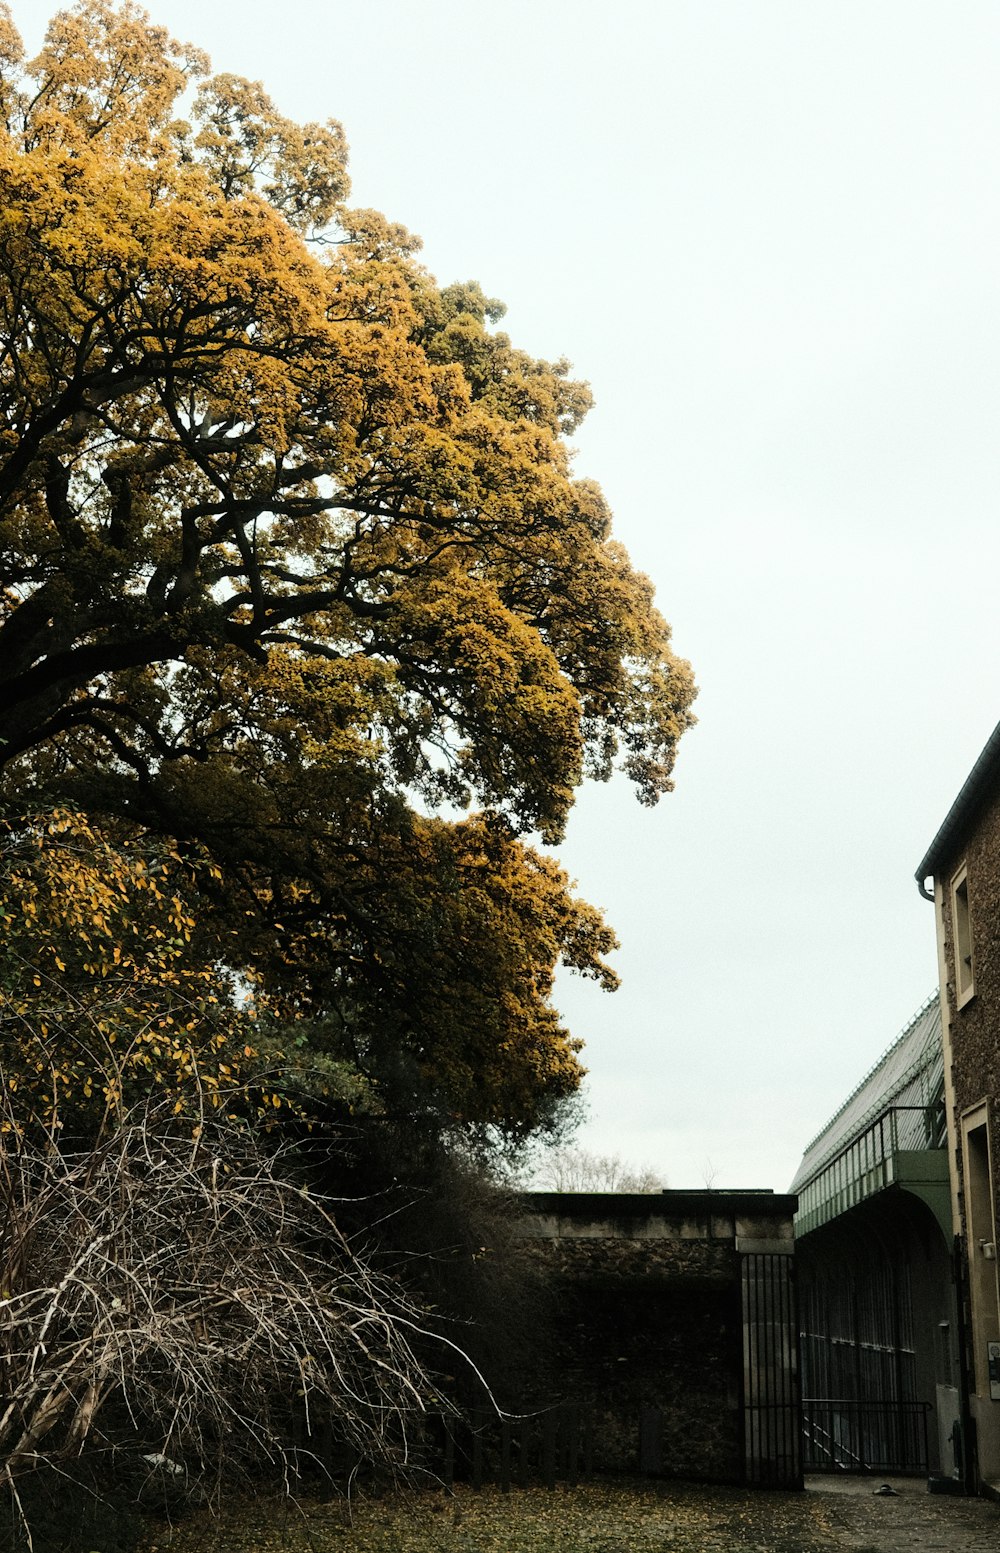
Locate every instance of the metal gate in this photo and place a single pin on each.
(771, 1402)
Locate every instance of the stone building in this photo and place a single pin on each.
(960, 873)
(676, 1328)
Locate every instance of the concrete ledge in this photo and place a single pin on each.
(750, 1247)
(757, 1221)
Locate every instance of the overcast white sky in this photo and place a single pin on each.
(768, 233)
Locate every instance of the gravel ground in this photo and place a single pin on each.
(910, 1520)
(606, 1518)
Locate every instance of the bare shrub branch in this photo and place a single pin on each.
(187, 1296)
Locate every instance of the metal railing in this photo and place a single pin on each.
(864, 1166)
(843, 1435)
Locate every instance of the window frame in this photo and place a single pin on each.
(963, 946)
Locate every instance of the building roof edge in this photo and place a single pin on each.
(878, 1104)
(980, 785)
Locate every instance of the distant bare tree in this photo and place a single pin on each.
(569, 1169)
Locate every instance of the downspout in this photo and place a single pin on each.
(969, 1462)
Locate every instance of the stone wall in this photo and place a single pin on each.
(648, 1322)
(975, 1029)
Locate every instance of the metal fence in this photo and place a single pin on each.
(555, 1446)
(843, 1435)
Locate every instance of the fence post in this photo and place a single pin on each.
(524, 1452)
(650, 1451)
(478, 1424)
(573, 1445)
(298, 1435)
(325, 1444)
(449, 1452)
(549, 1425)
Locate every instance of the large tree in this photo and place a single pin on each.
(296, 574)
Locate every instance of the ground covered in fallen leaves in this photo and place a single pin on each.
(591, 1518)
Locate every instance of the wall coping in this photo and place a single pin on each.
(726, 1217)
(758, 1202)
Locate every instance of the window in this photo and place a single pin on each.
(981, 1237)
(961, 931)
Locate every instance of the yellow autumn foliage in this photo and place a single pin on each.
(296, 576)
(100, 1003)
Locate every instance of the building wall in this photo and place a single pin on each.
(972, 1058)
(975, 1028)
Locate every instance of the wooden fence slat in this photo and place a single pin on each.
(478, 1426)
(588, 1445)
(449, 1453)
(550, 1447)
(550, 1426)
(505, 1455)
(298, 1435)
(524, 1452)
